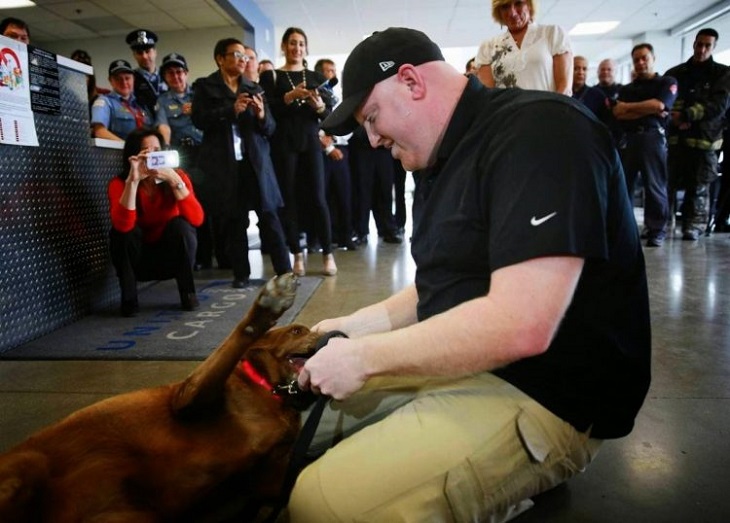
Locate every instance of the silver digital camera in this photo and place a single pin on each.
(160, 159)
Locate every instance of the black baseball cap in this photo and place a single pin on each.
(173, 59)
(373, 60)
(141, 39)
(120, 66)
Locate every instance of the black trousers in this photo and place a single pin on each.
(646, 154)
(338, 182)
(372, 171)
(172, 256)
(231, 231)
(692, 170)
(301, 174)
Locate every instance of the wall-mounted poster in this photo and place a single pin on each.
(17, 126)
(45, 91)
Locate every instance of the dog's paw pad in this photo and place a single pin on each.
(279, 292)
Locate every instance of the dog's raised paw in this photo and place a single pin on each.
(279, 292)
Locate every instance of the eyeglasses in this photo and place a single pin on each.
(239, 55)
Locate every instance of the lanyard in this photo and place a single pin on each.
(136, 112)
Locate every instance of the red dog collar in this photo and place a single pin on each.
(257, 378)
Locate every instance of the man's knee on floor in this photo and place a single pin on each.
(307, 501)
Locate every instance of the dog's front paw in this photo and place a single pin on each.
(278, 294)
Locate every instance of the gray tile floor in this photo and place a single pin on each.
(674, 467)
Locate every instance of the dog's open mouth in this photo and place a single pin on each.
(298, 362)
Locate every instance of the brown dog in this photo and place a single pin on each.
(177, 452)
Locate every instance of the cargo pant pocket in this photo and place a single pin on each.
(531, 455)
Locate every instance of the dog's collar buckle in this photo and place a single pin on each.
(291, 388)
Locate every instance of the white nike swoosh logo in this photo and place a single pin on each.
(539, 221)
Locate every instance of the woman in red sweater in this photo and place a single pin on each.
(154, 213)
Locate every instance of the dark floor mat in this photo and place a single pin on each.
(161, 330)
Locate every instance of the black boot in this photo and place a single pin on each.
(189, 302)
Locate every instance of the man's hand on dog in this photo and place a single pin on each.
(337, 370)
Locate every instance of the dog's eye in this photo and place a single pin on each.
(296, 331)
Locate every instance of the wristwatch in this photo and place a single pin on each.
(179, 186)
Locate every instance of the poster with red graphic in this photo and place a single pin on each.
(17, 126)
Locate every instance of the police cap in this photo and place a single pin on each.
(141, 39)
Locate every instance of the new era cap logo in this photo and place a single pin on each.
(384, 66)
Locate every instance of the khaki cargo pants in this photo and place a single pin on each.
(429, 451)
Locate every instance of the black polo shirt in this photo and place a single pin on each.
(524, 174)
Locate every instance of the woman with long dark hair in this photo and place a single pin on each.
(236, 122)
(154, 213)
(298, 108)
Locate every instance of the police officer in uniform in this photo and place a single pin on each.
(115, 115)
(695, 136)
(337, 175)
(642, 109)
(173, 112)
(610, 88)
(174, 109)
(606, 69)
(592, 97)
(148, 84)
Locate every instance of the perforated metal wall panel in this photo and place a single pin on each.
(54, 223)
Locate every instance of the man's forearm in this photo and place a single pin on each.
(102, 132)
(395, 312)
(636, 110)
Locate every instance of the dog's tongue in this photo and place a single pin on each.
(298, 363)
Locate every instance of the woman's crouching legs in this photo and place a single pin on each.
(182, 240)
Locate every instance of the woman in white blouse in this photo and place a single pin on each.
(527, 55)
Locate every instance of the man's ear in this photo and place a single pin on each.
(410, 76)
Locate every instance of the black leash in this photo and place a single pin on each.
(301, 446)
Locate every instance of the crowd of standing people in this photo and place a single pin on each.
(313, 192)
(248, 138)
(668, 128)
(248, 135)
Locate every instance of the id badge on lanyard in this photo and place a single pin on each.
(237, 142)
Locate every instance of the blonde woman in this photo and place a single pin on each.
(527, 55)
